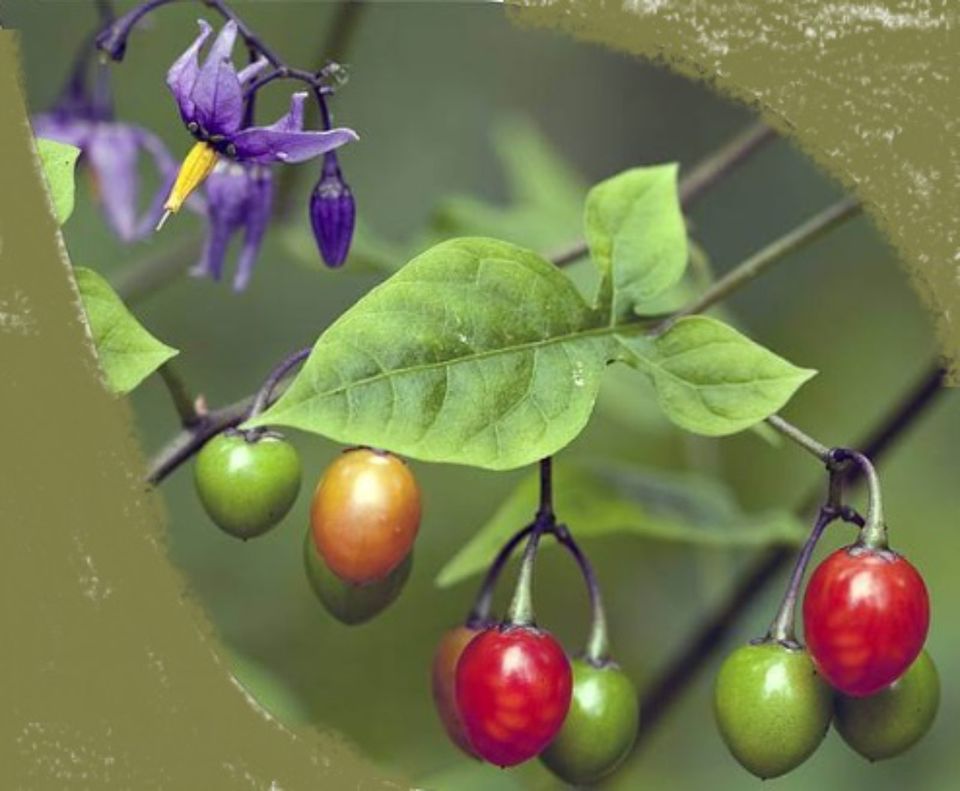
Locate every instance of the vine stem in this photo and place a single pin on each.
(759, 262)
(190, 440)
(183, 402)
(683, 667)
(265, 393)
(794, 434)
(193, 436)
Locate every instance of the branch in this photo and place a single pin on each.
(183, 402)
(192, 438)
(808, 443)
(683, 668)
(195, 434)
(704, 175)
(763, 259)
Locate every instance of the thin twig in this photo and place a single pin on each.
(339, 39)
(808, 443)
(790, 242)
(709, 637)
(176, 386)
(190, 440)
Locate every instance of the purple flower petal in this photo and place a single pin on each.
(227, 199)
(182, 75)
(214, 253)
(293, 120)
(112, 154)
(217, 94)
(265, 146)
(259, 205)
(252, 70)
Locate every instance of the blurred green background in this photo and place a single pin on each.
(428, 83)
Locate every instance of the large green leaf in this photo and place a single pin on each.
(127, 352)
(477, 352)
(712, 380)
(59, 161)
(637, 236)
(606, 498)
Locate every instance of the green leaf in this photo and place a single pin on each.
(477, 352)
(637, 237)
(59, 161)
(127, 352)
(712, 380)
(607, 498)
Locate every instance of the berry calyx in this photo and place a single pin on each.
(771, 707)
(866, 613)
(600, 727)
(365, 515)
(348, 603)
(891, 721)
(247, 482)
(513, 689)
(443, 678)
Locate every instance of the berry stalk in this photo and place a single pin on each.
(521, 611)
(597, 651)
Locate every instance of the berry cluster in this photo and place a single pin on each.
(507, 692)
(866, 613)
(363, 519)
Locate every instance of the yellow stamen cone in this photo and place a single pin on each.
(195, 168)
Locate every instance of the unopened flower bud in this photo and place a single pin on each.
(333, 213)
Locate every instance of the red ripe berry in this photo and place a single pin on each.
(866, 614)
(513, 690)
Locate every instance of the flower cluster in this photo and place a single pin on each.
(212, 100)
(232, 158)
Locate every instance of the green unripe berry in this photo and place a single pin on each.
(247, 483)
(893, 720)
(771, 707)
(600, 727)
(348, 603)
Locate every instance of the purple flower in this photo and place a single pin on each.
(333, 213)
(239, 197)
(111, 150)
(211, 101)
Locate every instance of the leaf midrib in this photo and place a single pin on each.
(597, 332)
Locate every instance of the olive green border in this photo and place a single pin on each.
(110, 680)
